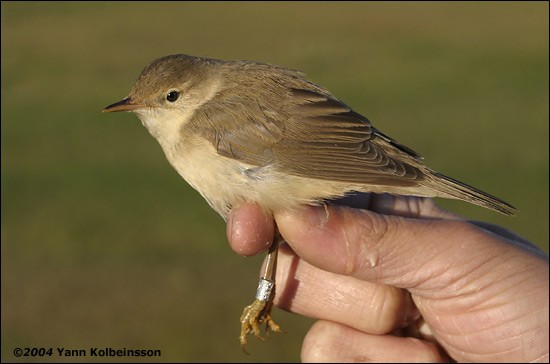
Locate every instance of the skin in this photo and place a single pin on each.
(406, 275)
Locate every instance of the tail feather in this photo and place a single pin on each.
(462, 191)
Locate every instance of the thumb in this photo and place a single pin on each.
(424, 256)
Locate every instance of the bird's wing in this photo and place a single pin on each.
(308, 133)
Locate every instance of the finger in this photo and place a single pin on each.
(469, 285)
(369, 307)
(249, 229)
(332, 342)
(388, 204)
(408, 206)
(415, 254)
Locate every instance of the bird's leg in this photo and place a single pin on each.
(260, 310)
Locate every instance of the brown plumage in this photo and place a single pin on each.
(274, 116)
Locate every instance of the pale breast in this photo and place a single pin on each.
(226, 182)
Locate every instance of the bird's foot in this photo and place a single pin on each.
(253, 316)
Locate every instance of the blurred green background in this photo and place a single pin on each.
(104, 245)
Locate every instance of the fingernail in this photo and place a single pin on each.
(313, 215)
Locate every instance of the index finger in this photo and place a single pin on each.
(249, 229)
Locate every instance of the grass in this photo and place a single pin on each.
(104, 245)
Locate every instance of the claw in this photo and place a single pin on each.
(251, 319)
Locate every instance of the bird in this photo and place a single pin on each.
(244, 131)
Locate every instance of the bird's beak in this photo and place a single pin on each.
(124, 105)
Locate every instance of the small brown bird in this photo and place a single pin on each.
(240, 131)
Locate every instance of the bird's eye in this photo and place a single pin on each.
(172, 96)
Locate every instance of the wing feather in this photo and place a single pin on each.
(306, 132)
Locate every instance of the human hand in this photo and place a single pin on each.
(424, 285)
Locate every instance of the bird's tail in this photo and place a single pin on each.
(462, 191)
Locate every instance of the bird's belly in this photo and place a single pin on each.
(226, 182)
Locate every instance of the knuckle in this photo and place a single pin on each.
(367, 241)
